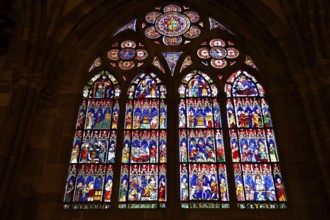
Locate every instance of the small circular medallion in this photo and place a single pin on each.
(113, 54)
(172, 24)
(141, 54)
(203, 53)
(152, 16)
(172, 41)
(217, 43)
(127, 54)
(128, 44)
(193, 16)
(126, 65)
(218, 52)
(219, 64)
(232, 53)
(151, 33)
(193, 32)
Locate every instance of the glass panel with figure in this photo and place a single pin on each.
(203, 174)
(90, 178)
(258, 179)
(144, 154)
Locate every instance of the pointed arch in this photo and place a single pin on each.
(90, 179)
(203, 173)
(201, 145)
(257, 172)
(144, 154)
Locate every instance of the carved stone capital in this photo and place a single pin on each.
(28, 78)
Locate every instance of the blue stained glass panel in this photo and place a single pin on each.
(216, 113)
(203, 176)
(90, 179)
(112, 147)
(243, 86)
(70, 184)
(162, 115)
(182, 114)
(198, 87)
(94, 147)
(98, 114)
(201, 146)
(253, 145)
(130, 26)
(199, 113)
(248, 113)
(89, 183)
(147, 88)
(172, 59)
(102, 88)
(143, 183)
(144, 148)
(258, 182)
(258, 179)
(146, 114)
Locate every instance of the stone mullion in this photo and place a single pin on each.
(15, 133)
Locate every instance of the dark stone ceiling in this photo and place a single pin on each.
(7, 25)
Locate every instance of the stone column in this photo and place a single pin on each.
(310, 83)
(15, 129)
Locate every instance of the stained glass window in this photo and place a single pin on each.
(173, 24)
(127, 55)
(172, 59)
(218, 53)
(174, 41)
(144, 154)
(257, 172)
(90, 179)
(203, 173)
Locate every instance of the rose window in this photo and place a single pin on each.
(127, 55)
(218, 53)
(172, 25)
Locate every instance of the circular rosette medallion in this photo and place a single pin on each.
(127, 54)
(172, 24)
(128, 44)
(218, 52)
(193, 16)
(172, 8)
(151, 33)
(113, 54)
(172, 41)
(217, 43)
(126, 65)
(141, 54)
(152, 16)
(193, 32)
(219, 64)
(203, 53)
(232, 53)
